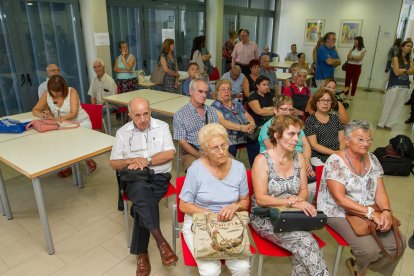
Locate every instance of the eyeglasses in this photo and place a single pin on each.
(362, 140)
(285, 109)
(217, 149)
(134, 145)
(325, 101)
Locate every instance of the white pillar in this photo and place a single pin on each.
(94, 20)
(214, 32)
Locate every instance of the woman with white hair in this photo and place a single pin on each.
(215, 183)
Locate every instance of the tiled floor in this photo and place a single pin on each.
(88, 230)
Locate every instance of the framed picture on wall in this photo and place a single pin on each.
(350, 28)
(314, 29)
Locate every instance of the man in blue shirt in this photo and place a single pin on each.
(327, 58)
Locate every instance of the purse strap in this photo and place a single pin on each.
(71, 125)
(372, 226)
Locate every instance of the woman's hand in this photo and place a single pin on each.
(309, 170)
(177, 84)
(46, 114)
(383, 221)
(306, 207)
(226, 213)
(248, 128)
(293, 199)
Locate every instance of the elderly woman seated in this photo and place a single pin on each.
(278, 181)
(324, 130)
(215, 183)
(352, 180)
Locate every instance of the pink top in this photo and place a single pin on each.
(244, 53)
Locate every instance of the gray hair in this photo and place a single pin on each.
(138, 98)
(302, 70)
(356, 124)
(98, 60)
(193, 82)
(209, 132)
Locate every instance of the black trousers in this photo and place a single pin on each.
(145, 196)
(412, 104)
(245, 69)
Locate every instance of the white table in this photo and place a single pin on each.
(149, 84)
(153, 96)
(284, 65)
(23, 117)
(38, 154)
(284, 76)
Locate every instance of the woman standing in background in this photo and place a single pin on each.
(353, 68)
(126, 78)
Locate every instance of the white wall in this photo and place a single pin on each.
(374, 13)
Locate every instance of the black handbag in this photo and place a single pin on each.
(252, 137)
(393, 164)
(285, 219)
(344, 66)
(127, 176)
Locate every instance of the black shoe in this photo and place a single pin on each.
(120, 205)
(409, 120)
(408, 103)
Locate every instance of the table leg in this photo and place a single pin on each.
(5, 209)
(79, 175)
(108, 118)
(74, 175)
(43, 215)
(178, 158)
(2, 211)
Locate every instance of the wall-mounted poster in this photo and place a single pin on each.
(313, 30)
(349, 30)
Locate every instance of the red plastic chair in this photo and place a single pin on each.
(215, 75)
(265, 247)
(171, 190)
(339, 240)
(95, 115)
(178, 217)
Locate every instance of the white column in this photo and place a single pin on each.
(94, 20)
(214, 32)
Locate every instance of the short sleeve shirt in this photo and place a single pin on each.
(265, 101)
(131, 142)
(237, 84)
(244, 53)
(205, 190)
(103, 87)
(359, 189)
(326, 134)
(323, 69)
(271, 74)
(187, 123)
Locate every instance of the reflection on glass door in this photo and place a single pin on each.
(159, 21)
(41, 33)
(249, 22)
(191, 26)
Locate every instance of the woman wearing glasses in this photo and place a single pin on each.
(352, 180)
(283, 105)
(215, 183)
(238, 120)
(324, 130)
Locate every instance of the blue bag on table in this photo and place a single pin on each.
(12, 126)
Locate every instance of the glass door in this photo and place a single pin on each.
(40, 33)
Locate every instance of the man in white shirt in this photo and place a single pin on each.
(145, 143)
(51, 70)
(102, 85)
(292, 56)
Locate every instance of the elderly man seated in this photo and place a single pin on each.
(189, 119)
(299, 92)
(271, 55)
(102, 84)
(266, 70)
(51, 70)
(236, 77)
(142, 144)
(292, 56)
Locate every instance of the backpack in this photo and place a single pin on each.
(403, 145)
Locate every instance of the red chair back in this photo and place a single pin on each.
(95, 114)
(179, 182)
(318, 175)
(250, 185)
(215, 75)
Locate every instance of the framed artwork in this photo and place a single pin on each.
(314, 29)
(349, 30)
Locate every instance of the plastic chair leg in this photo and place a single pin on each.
(126, 224)
(337, 259)
(260, 266)
(104, 125)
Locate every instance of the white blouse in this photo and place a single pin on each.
(356, 53)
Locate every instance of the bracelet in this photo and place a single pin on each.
(370, 213)
(386, 209)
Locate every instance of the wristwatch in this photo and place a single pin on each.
(149, 159)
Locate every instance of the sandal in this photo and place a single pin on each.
(91, 165)
(411, 242)
(350, 263)
(65, 172)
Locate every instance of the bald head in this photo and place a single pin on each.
(140, 113)
(235, 72)
(264, 61)
(138, 101)
(52, 69)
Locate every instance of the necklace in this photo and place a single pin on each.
(352, 167)
(281, 163)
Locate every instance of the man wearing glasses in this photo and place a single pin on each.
(51, 70)
(189, 119)
(145, 142)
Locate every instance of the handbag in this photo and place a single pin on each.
(393, 162)
(363, 226)
(12, 126)
(252, 137)
(44, 125)
(344, 66)
(215, 240)
(288, 219)
(126, 176)
(157, 74)
(141, 76)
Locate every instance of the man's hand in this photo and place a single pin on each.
(138, 163)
